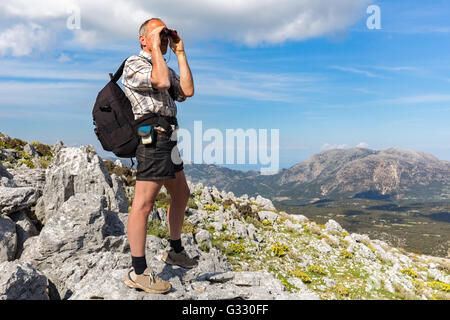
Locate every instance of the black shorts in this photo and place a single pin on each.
(158, 160)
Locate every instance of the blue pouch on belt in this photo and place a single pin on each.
(147, 134)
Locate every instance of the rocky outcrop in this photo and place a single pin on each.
(19, 281)
(246, 249)
(15, 199)
(5, 177)
(75, 233)
(78, 170)
(8, 239)
(27, 177)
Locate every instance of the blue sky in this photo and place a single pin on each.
(339, 87)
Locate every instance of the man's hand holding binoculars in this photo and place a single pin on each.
(176, 44)
(159, 33)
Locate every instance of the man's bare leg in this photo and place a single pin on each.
(144, 198)
(179, 197)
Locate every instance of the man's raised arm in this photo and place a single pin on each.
(186, 80)
(160, 77)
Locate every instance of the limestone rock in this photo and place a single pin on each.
(73, 239)
(6, 177)
(78, 170)
(20, 281)
(15, 199)
(24, 228)
(57, 146)
(8, 239)
(30, 150)
(265, 203)
(27, 177)
(333, 227)
(268, 215)
(203, 237)
(4, 172)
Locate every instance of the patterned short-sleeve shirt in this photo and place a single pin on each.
(136, 80)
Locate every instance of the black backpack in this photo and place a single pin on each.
(114, 122)
(114, 119)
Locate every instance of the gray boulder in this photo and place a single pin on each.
(8, 239)
(27, 177)
(6, 177)
(78, 170)
(8, 153)
(268, 215)
(266, 204)
(15, 199)
(162, 216)
(203, 237)
(58, 146)
(29, 150)
(73, 239)
(20, 281)
(333, 227)
(250, 286)
(25, 228)
(4, 172)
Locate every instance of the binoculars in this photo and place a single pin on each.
(168, 32)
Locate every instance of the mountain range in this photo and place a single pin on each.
(390, 174)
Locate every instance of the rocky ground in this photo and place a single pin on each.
(63, 217)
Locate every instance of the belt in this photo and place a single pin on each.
(157, 120)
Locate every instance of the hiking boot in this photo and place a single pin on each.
(180, 259)
(147, 282)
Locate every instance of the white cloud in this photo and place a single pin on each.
(252, 22)
(327, 146)
(357, 71)
(362, 145)
(424, 98)
(21, 39)
(64, 58)
(232, 83)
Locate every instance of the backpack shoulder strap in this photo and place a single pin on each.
(118, 74)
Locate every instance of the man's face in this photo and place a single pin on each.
(164, 40)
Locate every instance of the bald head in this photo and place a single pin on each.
(149, 25)
(144, 31)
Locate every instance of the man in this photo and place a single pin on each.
(147, 80)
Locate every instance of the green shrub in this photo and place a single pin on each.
(24, 155)
(302, 276)
(43, 162)
(43, 150)
(227, 204)
(28, 163)
(346, 254)
(235, 248)
(211, 207)
(163, 200)
(10, 143)
(126, 174)
(317, 269)
(192, 204)
(409, 272)
(154, 228)
(187, 227)
(258, 224)
(437, 285)
(266, 223)
(279, 249)
(341, 290)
